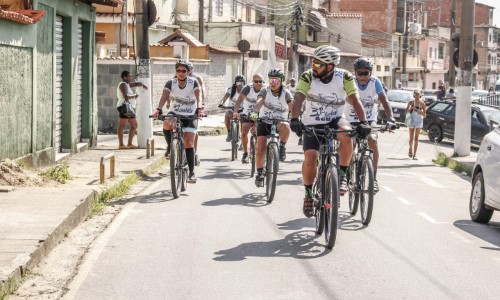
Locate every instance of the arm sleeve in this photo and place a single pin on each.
(349, 84)
(245, 90)
(378, 87)
(288, 96)
(304, 83)
(262, 93)
(168, 86)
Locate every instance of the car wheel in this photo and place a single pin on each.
(435, 133)
(478, 211)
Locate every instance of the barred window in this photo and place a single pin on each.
(218, 7)
(234, 9)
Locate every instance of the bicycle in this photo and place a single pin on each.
(361, 177)
(326, 190)
(235, 135)
(253, 144)
(179, 169)
(272, 157)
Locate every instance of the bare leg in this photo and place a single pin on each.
(415, 141)
(372, 141)
(245, 128)
(121, 126)
(309, 166)
(412, 133)
(261, 151)
(284, 132)
(133, 128)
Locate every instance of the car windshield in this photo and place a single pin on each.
(492, 115)
(399, 96)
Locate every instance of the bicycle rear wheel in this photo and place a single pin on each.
(185, 171)
(176, 167)
(366, 191)
(353, 190)
(319, 210)
(252, 156)
(272, 165)
(234, 141)
(331, 196)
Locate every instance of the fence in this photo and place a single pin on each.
(490, 100)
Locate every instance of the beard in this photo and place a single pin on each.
(319, 75)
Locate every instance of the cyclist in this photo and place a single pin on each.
(184, 91)
(248, 96)
(232, 94)
(292, 87)
(276, 101)
(371, 92)
(203, 94)
(325, 89)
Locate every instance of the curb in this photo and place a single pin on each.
(76, 217)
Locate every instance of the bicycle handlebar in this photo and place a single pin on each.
(180, 117)
(273, 120)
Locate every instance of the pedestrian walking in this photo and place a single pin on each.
(417, 112)
(126, 105)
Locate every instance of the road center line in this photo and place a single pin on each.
(404, 201)
(427, 217)
(388, 189)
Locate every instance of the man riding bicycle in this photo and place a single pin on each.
(371, 92)
(202, 96)
(276, 101)
(248, 96)
(232, 95)
(325, 89)
(184, 91)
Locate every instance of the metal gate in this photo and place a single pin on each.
(79, 83)
(59, 81)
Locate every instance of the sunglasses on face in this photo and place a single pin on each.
(366, 73)
(258, 81)
(318, 65)
(274, 80)
(240, 83)
(181, 71)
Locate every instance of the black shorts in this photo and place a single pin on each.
(246, 119)
(264, 129)
(187, 125)
(123, 116)
(311, 142)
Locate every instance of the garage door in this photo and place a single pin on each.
(59, 80)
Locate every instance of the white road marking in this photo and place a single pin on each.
(388, 189)
(460, 237)
(430, 182)
(427, 217)
(404, 201)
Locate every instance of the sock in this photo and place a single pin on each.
(344, 170)
(282, 144)
(190, 159)
(260, 171)
(309, 192)
(168, 136)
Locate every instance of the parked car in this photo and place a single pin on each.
(398, 100)
(440, 121)
(430, 96)
(478, 95)
(485, 192)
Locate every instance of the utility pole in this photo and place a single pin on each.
(201, 22)
(124, 31)
(144, 107)
(404, 75)
(285, 49)
(451, 71)
(464, 90)
(298, 18)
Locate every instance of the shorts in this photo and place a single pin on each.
(264, 129)
(187, 125)
(246, 119)
(416, 121)
(123, 116)
(229, 112)
(312, 142)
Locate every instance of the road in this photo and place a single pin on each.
(221, 240)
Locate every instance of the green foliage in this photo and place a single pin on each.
(113, 192)
(59, 173)
(445, 161)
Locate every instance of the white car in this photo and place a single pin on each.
(478, 95)
(485, 194)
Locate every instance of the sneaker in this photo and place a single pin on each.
(259, 180)
(308, 207)
(196, 160)
(191, 178)
(282, 153)
(300, 141)
(244, 158)
(167, 153)
(375, 186)
(343, 185)
(229, 137)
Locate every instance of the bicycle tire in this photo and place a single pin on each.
(234, 141)
(318, 207)
(175, 167)
(272, 165)
(353, 190)
(252, 156)
(366, 190)
(331, 196)
(185, 172)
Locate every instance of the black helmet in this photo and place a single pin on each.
(183, 62)
(276, 73)
(363, 63)
(239, 78)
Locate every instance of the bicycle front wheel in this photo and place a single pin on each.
(319, 210)
(366, 191)
(234, 141)
(176, 167)
(331, 195)
(252, 156)
(353, 188)
(272, 165)
(184, 172)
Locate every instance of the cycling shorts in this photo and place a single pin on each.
(246, 119)
(264, 129)
(312, 142)
(187, 125)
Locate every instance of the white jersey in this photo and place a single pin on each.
(369, 99)
(292, 89)
(231, 101)
(183, 100)
(250, 100)
(121, 98)
(325, 101)
(275, 107)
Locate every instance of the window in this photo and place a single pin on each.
(249, 14)
(441, 51)
(234, 9)
(379, 68)
(430, 52)
(218, 7)
(387, 68)
(440, 107)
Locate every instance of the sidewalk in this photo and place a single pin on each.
(34, 220)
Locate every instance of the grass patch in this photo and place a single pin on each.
(117, 190)
(8, 289)
(155, 166)
(59, 173)
(445, 161)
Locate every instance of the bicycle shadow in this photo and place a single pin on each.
(299, 245)
(225, 172)
(250, 200)
(298, 224)
(347, 222)
(157, 197)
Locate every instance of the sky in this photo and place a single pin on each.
(496, 12)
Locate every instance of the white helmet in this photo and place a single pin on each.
(327, 54)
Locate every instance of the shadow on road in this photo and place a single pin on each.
(347, 222)
(157, 197)
(300, 245)
(487, 232)
(251, 200)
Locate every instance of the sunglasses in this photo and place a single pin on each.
(366, 73)
(240, 83)
(181, 71)
(318, 65)
(274, 80)
(258, 81)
